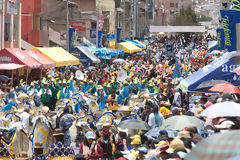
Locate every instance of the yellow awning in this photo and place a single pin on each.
(129, 47)
(111, 44)
(59, 55)
(144, 46)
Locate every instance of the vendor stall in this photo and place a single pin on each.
(60, 56)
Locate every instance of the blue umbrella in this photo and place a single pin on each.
(155, 132)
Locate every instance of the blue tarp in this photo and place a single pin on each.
(220, 69)
(85, 55)
(134, 42)
(106, 53)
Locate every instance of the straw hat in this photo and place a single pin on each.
(58, 132)
(175, 145)
(183, 134)
(23, 156)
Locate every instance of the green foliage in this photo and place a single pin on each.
(186, 17)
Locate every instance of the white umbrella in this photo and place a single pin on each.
(224, 109)
(119, 61)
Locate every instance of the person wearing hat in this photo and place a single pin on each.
(156, 119)
(55, 88)
(100, 93)
(121, 139)
(136, 142)
(38, 152)
(59, 149)
(31, 90)
(142, 151)
(107, 89)
(26, 122)
(90, 148)
(45, 94)
(112, 101)
(107, 140)
(175, 146)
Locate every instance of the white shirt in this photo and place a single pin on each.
(44, 91)
(151, 120)
(25, 120)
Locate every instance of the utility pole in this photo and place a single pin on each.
(135, 18)
(3, 25)
(19, 25)
(124, 17)
(97, 27)
(67, 22)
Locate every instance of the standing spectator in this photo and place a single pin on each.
(155, 118)
(90, 148)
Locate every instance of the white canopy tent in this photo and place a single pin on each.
(176, 29)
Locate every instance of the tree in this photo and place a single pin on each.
(186, 17)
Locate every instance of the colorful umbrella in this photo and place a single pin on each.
(225, 87)
(222, 146)
(182, 121)
(224, 109)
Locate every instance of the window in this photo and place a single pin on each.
(171, 4)
(176, 5)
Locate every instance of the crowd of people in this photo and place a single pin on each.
(82, 109)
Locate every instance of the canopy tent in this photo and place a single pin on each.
(46, 62)
(135, 42)
(129, 47)
(60, 56)
(17, 56)
(105, 53)
(85, 55)
(144, 45)
(220, 69)
(10, 66)
(177, 29)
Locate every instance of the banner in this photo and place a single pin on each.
(93, 33)
(119, 35)
(220, 39)
(72, 38)
(110, 37)
(100, 36)
(12, 6)
(229, 20)
(100, 22)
